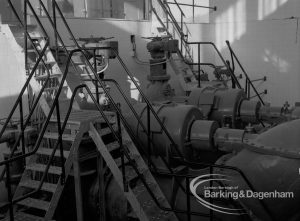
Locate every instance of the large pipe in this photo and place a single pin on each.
(178, 119)
(271, 162)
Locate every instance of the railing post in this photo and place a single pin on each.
(246, 87)
(149, 135)
(188, 200)
(181, 32)
(9, 193)
(55, 27)
(248, 81)
(25, 36)
(193, 11)
(60, 133)
(233, 84)
(122, 150)
(22, 127)
(96, 82)
(199, 67)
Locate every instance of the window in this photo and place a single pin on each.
(192, 14)
(121, 9)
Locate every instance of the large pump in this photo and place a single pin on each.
(271, 162)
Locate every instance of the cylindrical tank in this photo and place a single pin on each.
(271, 163)
(218, 103)
(249, 111)
(202, 134)
(177, 119)
(231, 140)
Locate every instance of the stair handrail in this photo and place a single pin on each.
(220, 56)
(27, 82)
(58, 142)
(248, 80)
(54, 26)
(186, 42)
(178, 28)
(57, 35)
(35, 149)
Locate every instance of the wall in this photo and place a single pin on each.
(12, 75)
(6, 13)
(265, 36)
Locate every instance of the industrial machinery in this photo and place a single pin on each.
(160, 49)
(271, 162)
(164, 158)
(230, 107)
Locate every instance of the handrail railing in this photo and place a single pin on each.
(185, 42)
(220, 56)
(29, 77)
(248, 80)
(179, 29)
(58, 142)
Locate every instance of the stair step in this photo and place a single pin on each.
(112, 146)
(42, 167)
(107, 130)
(78, 116)
(131, 174)
(126, 161)
(54, 136)
(37, 38)
(32, 50)
(33, 184)
(44, 76)
(78, 62)
(35, 203)
(31, 64)
(19, 216)
(48, 152)
(119, 161)
(55, 88)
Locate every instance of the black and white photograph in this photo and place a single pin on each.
(149, 110)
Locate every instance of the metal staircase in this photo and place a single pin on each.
(46, 170)
(47, 74)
